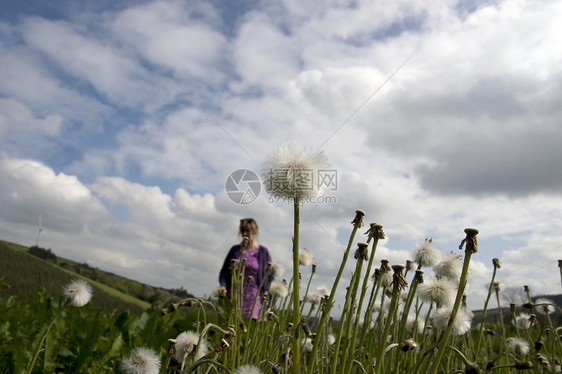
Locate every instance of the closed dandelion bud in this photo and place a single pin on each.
(376, 275)
(384, 266)
(187, 303)
(522, 365)
(358, 220)
(496, 263)
(233, 264)
(538, 345)
(470, 240)
(528, 305)
(171, 347)
(497, 286)
(472, 369)
(245, 241)
(398, 278)
(314, 268)
(306, 328)
(512, 307)
(526, 288)
(362, 251)
(375, 231)
(409, 345)
(419, 276)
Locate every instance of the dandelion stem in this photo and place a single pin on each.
(483, 322)
(296, 300)
(471, 247)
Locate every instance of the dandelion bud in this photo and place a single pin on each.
(522, 365)
(171, 347)
(384, 266)
(314, 268)
(512, 307)
(290, 327)
(497, 286)
(375, 231)
(538, 345)
(277, 368)
(409, 345)
(470, 240)
(398, 278)
(410, 265)
(376, 275)
(526, 288)
(472, 369)
(496, 263)
(490, 332)
(362, 251)
(245, 241)
(306, 328)
(233, 264)
(358, 220)
(243, 327)
(419, 275)
(528, 305)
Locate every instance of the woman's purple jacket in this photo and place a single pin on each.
(263, 258)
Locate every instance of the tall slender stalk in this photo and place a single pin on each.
(496, 264)
(471, 247)
(296, 285)
(357, 222)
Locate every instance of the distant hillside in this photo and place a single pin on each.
(24, 269)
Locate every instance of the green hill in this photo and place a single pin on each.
(24, 269)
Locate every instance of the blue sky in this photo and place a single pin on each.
(120, 123)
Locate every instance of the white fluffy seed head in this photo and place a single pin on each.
(186, 346)
(314, 298)
(461, 323)
(544, 309)
(305, 257)
(449, 267)
(279, 289)
(277, 270)
(247, 369)
(78, 292)
(291, 171)
(140, 361)
(307, 344)
(440, 291)
(518, 346)
(427, 254)
(522, 321)
(323, 291)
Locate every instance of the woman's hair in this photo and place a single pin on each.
(248, 224)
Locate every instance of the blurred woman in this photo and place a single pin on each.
(257, 256)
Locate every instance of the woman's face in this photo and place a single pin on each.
(249, 234)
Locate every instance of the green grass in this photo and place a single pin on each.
(23, 273)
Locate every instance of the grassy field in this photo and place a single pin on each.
(22, 273)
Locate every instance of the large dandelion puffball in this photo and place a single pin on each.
(291, 171)
(78, 292)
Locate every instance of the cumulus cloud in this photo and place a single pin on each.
(159, 102)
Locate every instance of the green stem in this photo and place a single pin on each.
(460, 292)
(296, 300)
(483, 322)
(328, 306)
(384, 336)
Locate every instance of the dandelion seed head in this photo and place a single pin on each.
(449, 267)
(305, 257)
(307, 344)
(140, 361)
(522, 321)
(544, 309)
(277, 270)
(314, 298)
(440, 291)
(79, 292)
(285, 167)
(462, 322)
(279, 289)
(518, 346)
(413, 323)
(220, 292)
(331, 339)
(186, 346)
(427, 254)
(247, 369)
(323, 291)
